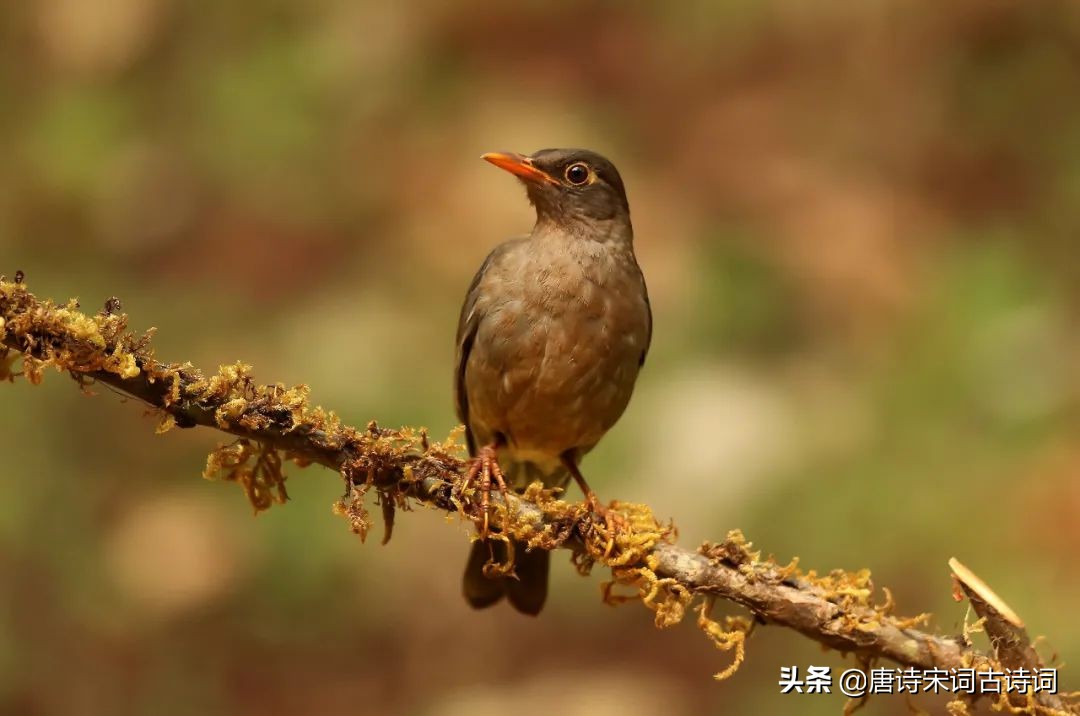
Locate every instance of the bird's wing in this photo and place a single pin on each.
(648, 318)
(468, 322)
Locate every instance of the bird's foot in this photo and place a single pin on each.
(612, 520)
(484, 473)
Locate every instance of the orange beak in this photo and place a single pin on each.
(519, 165)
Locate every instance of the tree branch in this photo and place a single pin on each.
(273, 423)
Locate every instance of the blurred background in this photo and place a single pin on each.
(858, 221)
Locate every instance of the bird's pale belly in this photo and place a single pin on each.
(553, 380)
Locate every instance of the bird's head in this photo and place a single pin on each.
(569, 187)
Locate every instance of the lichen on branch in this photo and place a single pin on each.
(273, 425)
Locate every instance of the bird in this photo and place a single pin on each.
(552, 334)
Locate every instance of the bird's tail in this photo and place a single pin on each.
(526, 589)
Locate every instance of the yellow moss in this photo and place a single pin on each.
(735, 549)
(256, 468)
(121, 363)
(352, 509)
(610, 597)
(66, 338)
(886, 607)
(33, 369)
(789, 570)
(493, 569)
(227, 414)
(295, 399)
(846, 589)
(80, 326)
(974, 627)
(666, 597)
(912, 622)
(732, 635)
(229, 382)
(167, 423)
(172, 375)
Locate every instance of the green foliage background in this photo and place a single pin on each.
(859, 225)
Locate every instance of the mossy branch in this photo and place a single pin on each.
(274, 424)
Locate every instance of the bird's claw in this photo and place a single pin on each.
(483, 471)
(612, 520)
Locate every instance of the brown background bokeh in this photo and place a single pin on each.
(859, 223)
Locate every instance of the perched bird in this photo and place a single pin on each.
(552, 334)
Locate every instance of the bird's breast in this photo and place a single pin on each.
(558, 346)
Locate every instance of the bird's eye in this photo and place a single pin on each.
(577, 174)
